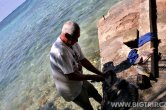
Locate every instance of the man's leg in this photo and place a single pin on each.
(92, 92)
(83, 100)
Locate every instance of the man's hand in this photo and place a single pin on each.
(87, 64)
(98, 78)
(80, 77)
(107, 72)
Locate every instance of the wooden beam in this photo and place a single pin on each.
(154, 43)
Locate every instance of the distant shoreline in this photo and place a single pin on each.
(14, 14)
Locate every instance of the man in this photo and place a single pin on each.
(67, 60)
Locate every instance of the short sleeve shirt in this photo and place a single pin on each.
(66, 60)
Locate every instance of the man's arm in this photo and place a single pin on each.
(80, 77)
(85, 63)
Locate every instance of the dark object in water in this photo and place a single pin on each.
(117, 90)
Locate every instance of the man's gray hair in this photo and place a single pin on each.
(70, 27)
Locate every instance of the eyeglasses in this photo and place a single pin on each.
(70, 37)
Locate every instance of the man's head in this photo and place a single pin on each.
(70, 32)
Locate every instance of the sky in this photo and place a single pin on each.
(7, 6)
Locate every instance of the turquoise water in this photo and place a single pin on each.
(25, 76)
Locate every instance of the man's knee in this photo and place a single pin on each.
(92, 91)
(82, 100)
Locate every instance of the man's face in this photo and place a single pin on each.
(72, 39)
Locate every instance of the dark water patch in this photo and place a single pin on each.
(11, 66)
(6, 81)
